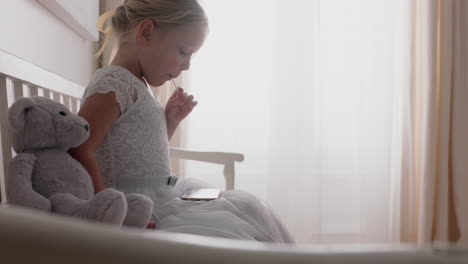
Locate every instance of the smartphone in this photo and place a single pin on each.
(201, 194)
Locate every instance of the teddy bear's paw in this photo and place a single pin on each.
(108, 206)
(67, 204)
(21, 169)
(20, 191)
(139, 210)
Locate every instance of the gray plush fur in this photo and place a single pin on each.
(44, 176)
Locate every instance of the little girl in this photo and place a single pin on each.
(128, 144)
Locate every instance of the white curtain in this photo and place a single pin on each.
(312, 92)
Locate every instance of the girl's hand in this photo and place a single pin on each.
(179, 106)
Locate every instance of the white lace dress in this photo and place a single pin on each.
(136, 149)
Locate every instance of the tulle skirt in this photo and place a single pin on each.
(236, 214)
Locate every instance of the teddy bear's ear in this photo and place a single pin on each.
(17, 112)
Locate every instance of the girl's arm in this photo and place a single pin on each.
(100, 110)
(171, 128)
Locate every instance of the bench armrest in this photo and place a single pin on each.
(227, 159)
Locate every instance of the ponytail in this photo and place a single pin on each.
(108, 32)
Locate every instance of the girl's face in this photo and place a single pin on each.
(164, 53)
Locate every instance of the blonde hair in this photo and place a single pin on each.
(164, 13)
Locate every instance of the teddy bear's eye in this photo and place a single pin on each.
(62, 113)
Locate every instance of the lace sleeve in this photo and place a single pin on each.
(110, 84)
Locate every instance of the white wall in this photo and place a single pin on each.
(31, 32)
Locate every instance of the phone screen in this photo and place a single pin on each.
(201, 194)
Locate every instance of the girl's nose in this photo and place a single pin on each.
(186, 65)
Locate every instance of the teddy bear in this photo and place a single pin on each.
(44, 176)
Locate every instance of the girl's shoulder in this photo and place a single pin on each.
(116, 73)
(113, 79)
